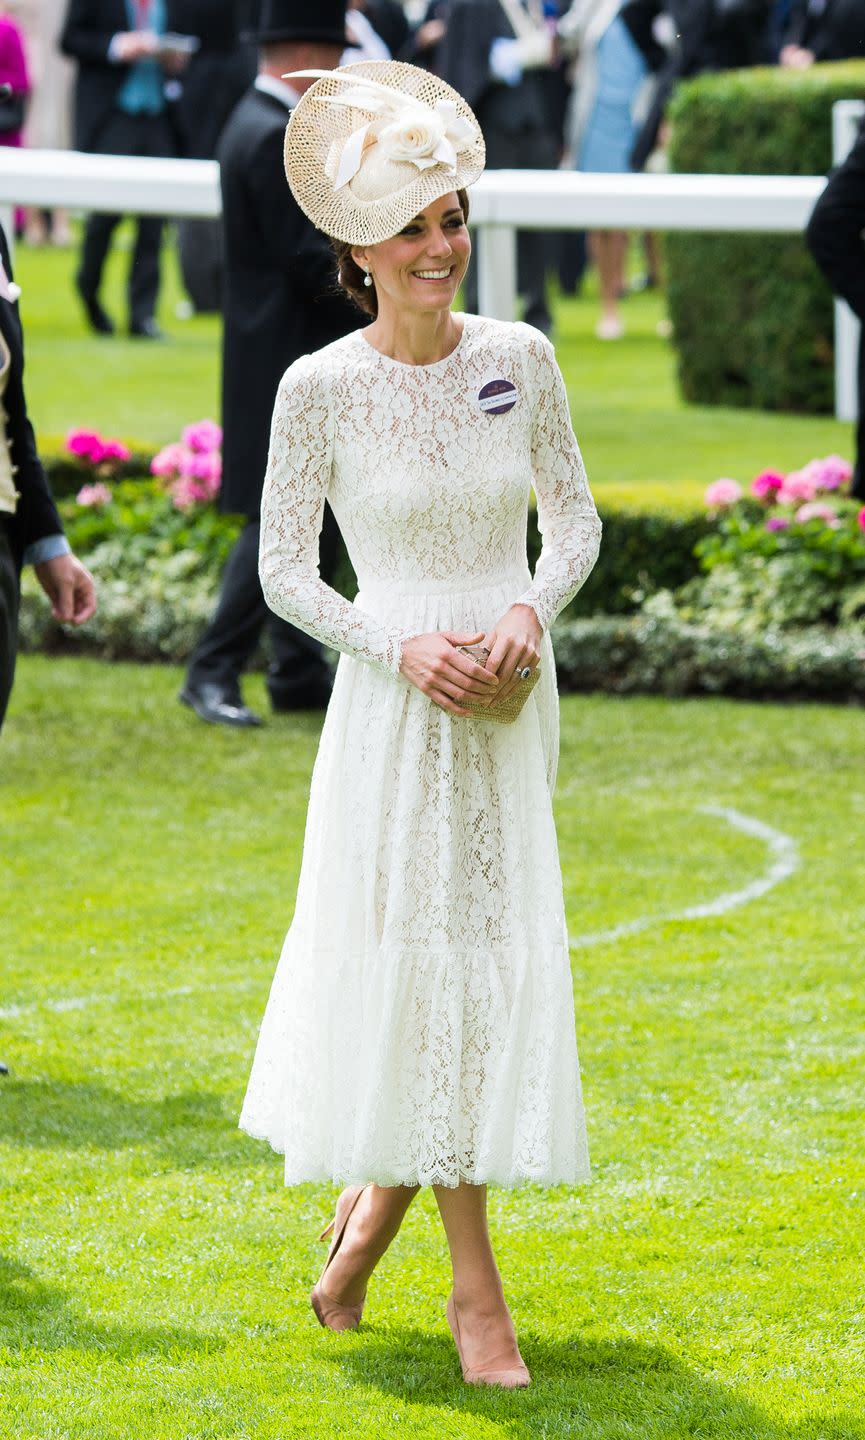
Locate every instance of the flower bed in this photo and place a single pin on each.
(764, 595)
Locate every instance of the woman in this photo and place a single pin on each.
(610, 90)
(420, 1026)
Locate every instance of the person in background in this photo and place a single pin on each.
(31, 532)
(15, 85)
(609, 92)
(121, 109)
(364, 41)
(696, 36)
(501, 55)
(824, 30)
(280, 303)
(421, 47)
(835, 238)
(218, 74)
(48, 124)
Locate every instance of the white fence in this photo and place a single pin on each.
(502, 202)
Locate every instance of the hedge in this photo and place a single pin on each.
(752, 316)
(662, 655)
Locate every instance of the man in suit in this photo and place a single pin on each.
(218, 75)
(280, 303)
(709, 35)
(824, 30)
(31, 532)
(518, 95)
(30, 528)
(835, 237)
(121, 108)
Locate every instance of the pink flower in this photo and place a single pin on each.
(114, 450)
(723, 493)
(93, 495)
(861, 518)
(767, 485)
(186, 492)
(86, 444)
(799, 485)
(817, 510)
(203, 436)
(169, 462)
(833, 473)
(206, 467)
(778, 522)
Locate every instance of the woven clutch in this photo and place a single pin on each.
(502, 712)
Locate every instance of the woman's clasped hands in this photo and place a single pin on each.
(438, 668)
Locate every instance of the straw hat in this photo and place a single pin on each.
(370, 145)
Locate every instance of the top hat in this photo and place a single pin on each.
(322, 23)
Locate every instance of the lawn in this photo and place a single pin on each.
(643, 446)
(155, 1271)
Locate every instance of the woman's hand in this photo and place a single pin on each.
(433, 663)
(513, 643)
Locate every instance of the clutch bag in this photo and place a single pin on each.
(501, 712)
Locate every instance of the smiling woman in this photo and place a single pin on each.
(358, 280)
(420, 1028)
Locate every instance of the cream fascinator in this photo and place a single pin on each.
(370, 145)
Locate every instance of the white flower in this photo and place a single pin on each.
(414, 136)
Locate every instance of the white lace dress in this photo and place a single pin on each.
(420, 1027)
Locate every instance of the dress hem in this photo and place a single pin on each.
(581, 1175)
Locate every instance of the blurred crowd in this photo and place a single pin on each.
(584, 84)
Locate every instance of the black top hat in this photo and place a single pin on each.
(322, 22)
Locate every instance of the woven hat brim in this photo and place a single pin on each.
(315, 125)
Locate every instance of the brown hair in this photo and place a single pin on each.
(350, 276)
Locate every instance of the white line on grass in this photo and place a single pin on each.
(785, 861)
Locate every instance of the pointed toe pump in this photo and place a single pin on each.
(506, 1369)
(328, 1311)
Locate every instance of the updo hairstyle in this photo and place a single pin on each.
(350, 276)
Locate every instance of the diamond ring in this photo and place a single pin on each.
(525, 672)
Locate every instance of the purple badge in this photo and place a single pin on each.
(497, 397)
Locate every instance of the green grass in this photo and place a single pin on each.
(642, 445)
(154, 1271)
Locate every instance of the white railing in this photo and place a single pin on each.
(502, 202)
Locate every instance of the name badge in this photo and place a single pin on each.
(497, 397)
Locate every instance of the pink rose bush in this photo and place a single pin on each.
(797, 498)
(192, 466)
(92, 449)
(723, 493)
(97, 494)
(785, 553)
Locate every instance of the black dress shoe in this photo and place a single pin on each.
(4, 1069)
(218, 706)
(97, 318)
(147, 330)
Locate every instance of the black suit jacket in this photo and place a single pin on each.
(36, 515)
(217, 76)
(462, 59)
(85, 37)
(281, 297)
(836, 226)
(837, 34)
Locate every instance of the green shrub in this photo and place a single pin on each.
(752, 316)
(663, 654)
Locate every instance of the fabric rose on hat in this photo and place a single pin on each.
(426, 137)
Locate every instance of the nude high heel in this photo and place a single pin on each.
(506, 1369)
(329, 1312)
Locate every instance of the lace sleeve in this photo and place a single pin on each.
(567, 518)
(292, 506)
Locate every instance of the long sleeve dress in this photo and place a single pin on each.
(420, 1027)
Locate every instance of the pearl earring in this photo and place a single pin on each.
(367, 280)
